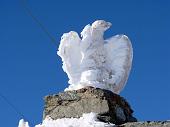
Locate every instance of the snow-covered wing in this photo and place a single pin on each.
(93, 61)
(119, 60)
(69, 51)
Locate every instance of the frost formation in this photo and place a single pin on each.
(93, 61)
(87, 120)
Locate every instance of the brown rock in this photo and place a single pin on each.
(110, 107)
(146, 124)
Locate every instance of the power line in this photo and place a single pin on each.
(24, 4)
(12, 106)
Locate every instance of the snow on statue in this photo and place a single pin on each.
(93, 61)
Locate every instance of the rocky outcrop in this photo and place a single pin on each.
(146, 124)
(109, 107)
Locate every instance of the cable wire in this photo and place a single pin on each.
(12, 106)
(15, 108)
(24, 4)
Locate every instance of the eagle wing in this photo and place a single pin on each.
(70, 52)
(119, 55)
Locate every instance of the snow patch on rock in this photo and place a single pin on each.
(87, 120)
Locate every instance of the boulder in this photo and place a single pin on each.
(108, 106)
(147, 124)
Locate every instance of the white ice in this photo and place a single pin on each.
(87, 120)
(22, 123)
(93, 61)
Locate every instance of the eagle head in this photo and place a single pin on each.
(101, 25)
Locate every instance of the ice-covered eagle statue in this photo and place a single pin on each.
(93, 61)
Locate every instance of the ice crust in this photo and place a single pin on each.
(93, 61)
(87, 120)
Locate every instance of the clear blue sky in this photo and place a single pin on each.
(30, 68)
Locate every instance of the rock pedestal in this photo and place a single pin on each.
(108, 106)
(147, 124)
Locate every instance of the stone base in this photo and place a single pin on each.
(110, 107)
(146, 124)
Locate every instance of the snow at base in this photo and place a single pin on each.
(87, 120)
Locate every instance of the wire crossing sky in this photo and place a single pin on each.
(52, 40)
(24, 3)
(30, 68)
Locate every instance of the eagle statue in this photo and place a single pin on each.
(90, 60)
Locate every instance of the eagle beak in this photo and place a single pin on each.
(108, 25)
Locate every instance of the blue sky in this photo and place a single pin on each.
(30, 68)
